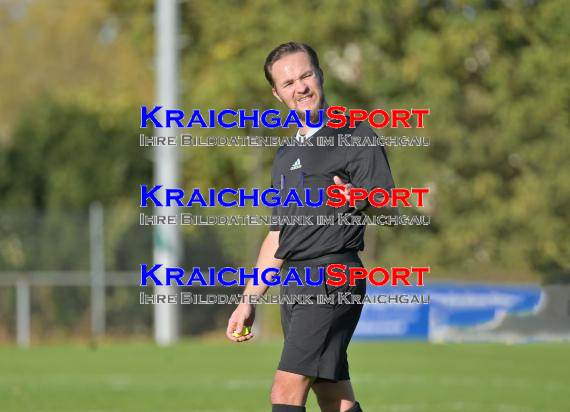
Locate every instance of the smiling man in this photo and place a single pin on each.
(316, 335)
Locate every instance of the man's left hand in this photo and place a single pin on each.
(338, 181)
(363, 205)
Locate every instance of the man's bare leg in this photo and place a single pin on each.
(335, 396)
(290, 389)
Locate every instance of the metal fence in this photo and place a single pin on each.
(75, 274)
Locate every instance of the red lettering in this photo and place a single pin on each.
(356, 194)
(336, 116)
(420, 193)
(396, 196)
(385, 279)
(403, 276)
(420, 113)
(399, 275)
(357, 273)
(337, 196)
(339, 275)
(373, 202)
(396, 118)
(420, 274)
(357, 115)
(340, 196)
(374, 113)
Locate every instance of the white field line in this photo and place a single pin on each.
(127, 380)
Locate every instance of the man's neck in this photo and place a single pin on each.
(303, 130)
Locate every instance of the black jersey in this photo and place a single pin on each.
(314, 167)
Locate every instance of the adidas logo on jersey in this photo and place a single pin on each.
(296, 165)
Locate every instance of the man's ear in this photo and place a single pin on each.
(276, 95)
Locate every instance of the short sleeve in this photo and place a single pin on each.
(368, 166)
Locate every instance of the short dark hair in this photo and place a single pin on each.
(290, 48)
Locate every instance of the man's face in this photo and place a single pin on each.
(297, 84)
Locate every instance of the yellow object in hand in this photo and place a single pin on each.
(245, 331)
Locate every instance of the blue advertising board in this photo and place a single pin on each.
(452, 310)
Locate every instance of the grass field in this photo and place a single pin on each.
(219, 376)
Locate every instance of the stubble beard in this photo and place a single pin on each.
(314, 117)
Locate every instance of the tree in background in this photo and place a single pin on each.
(493, 73)
(60, 160)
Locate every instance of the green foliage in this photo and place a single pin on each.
(494, 75)
(70, 158)
(60, 160)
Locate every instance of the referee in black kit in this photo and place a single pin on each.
(316, 336)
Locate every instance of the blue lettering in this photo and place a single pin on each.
(145, 275)
(273, 122)
(170, 117)
(145, 117)
(274, 277)
(243, 117)
(243, 197)
(308, 198)
(292, 118)
(308, 119)
(178, 273)
(212, 193)
(150, 195)
(253, 276)
(275, 200)
(174, 194)
(221, 200)
(196, 276)
(308, 277)
(220, 276)
(196, 197)
(293, 197)
(197, 118)
(292, 275)
(221, 118)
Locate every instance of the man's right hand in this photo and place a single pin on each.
(243, 316)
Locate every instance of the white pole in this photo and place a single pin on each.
(166, 237)
(97, 268)
(23, 311)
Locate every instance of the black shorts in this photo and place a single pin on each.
(316, 336)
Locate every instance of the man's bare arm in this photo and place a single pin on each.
(244, 314)
(266, 259)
